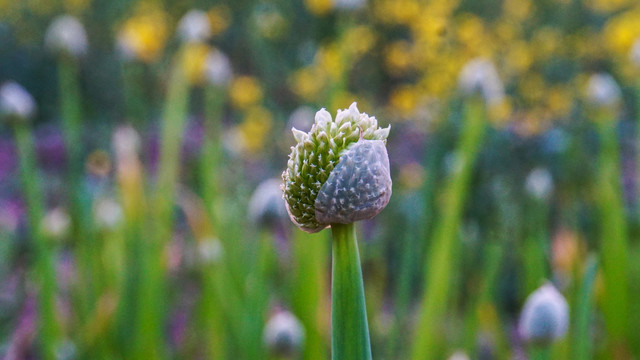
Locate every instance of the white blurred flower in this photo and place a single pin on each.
(66, 35)
(16, 102)
(283, 335)
(56, 223)
(210, 250)
(194, 27)
(634, 54)
(479, 75)
(217, 68)
(539, 183)
(603, 90)
(108, 213)
(349, 4)
(267, 206)
(126, 142)
(545, 316)
(459, 355)
(302, 118)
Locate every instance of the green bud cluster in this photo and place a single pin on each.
(315, 156)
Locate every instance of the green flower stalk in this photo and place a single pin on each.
(338, 173)
(477, 77)
(17, 108)
(604, 96)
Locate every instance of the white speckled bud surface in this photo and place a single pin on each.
(359, 187)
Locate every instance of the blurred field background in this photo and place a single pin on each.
(132, 225)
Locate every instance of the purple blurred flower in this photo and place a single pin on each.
(8, 161)
(50, 147)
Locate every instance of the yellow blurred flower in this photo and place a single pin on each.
(517, 10)
(76, 6)
(404, 100)
(144, 35)
(398, 57)
(219, 18)
(607, 6)
(307, 83)
(519, 57)
(621, 31)
(193, 62)
(358, 40)
(397, 11)
(255, 128)
(318, 7)
(559, 101)
(245, 91)
(329, 60)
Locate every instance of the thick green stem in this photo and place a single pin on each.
(349, 328)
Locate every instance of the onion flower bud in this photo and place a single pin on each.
(545, 316)
(338, 172)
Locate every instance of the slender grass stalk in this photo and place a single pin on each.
(309, 290)
(439, 269)
(539, 352)
(44, 271)
(350, 331)
(135, 103)
(151, 315)
(581, 343)
(211, 157)
(535, 247)
(71, 113)
(613, 246)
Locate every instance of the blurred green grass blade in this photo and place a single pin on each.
(613, 235)
(349, 328)
(309, 290)
(581, 340)
(44, 270)
(440, 266)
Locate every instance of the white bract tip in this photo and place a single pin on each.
(194, 26)
(539, 183)
(16, 102)
(545, 316)
(218, 68)
(66, 35)
(480, 76)
(283, 335)
(603, 90)
(322, 118)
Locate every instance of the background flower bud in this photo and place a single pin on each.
(266, 206)
(194, 26)
(15, 102)
(480, 76)
(603, 90)
(283, 335)
(545, 316)
(66, 35)
(217, 68)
